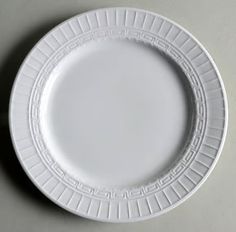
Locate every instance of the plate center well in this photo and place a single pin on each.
(116, 113)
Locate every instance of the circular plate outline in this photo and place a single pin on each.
(143, 210)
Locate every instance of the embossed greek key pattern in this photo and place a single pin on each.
(198, 156)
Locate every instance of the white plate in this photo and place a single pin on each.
(118, 114)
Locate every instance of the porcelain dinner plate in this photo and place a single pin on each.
(118, 115)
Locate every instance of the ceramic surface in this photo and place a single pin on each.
(118, 114)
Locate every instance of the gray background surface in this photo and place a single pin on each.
(24, 208)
